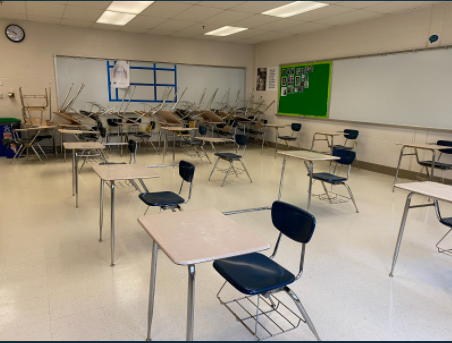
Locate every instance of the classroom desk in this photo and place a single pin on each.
(213, 140)
(38, 129)
(306, 156)
(121, 127)
(64, 132)
(429, 189)
(431, 147)
(193, 237)
(173, 129)
(117, 172)
(277, 127)
(326, 134)
(74, 146)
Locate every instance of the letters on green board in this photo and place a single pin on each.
(305, 89)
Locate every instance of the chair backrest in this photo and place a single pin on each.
(351, 134)
(296, 127)
(202, 130)
(186, 171)
(347, 157)
(445, 143)
(293, 222)
(132, 146)
(113, 121)
(241, 140)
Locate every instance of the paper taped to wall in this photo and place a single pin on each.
(120, 75)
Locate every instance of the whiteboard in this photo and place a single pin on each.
(411, 89)
(94, 74)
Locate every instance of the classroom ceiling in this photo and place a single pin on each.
(191, 19)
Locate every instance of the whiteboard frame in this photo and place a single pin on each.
(368, 122)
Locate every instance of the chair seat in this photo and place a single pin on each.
(446, 221)
(438, 165)
(287, 138)
(342, 147)
(253, 273)
(193, 143)
(228, 156)
(327, 177)
(161, 198)
(44, 137)
(109, 163)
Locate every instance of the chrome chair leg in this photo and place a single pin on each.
(84, 161)
(351, 196)
(40, 148)
(326, 191)
(230, 165)
(15, 155)
(202, 148)
(214, 167)
(246, 170)
(36, 153)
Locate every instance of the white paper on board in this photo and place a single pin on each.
(120, 75)
(272, 78)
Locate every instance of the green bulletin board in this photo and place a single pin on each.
(305, 89)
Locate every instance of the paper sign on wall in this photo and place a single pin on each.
(120, 75)
(272, 79)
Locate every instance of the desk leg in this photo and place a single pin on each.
(65, 151)
(282, 177)
(398, 167)
(61, 143)
(101, 218)
(276, 143)
(155, 250)
(54, 143)
(332, 144)
(112, 185)
(263, 140)
(73, 174)
(313, 141)
(174, 145)
(76, 178)
(402, 228)
(311, 169)
(433, 164)
(160, 138)
(191, 302)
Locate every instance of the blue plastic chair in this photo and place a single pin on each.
(447, 222)
(256, 274)
(349, 134)
(296, 127)
(438, 164)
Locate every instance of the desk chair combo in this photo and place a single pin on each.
(23, 144)
(146, 136)
(259, 130)
(170, 200)
(346, 158)
(240, 140)
(97, 156)
(350, 135)
(448, 223)
(438, 164)
(195, 144)
(296, 127)
(260, 277)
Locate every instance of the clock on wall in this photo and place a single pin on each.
(15, 33)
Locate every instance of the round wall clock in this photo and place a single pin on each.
(15, 33)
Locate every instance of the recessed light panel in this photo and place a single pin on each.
(115, 18)
(226, 31)
(133, 7)
(294, 8)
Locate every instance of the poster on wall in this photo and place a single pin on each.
(272, 77)
(304, 89)
(120, 75)
(261, 79)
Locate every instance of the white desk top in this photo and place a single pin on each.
(430, 189)
(199, 236)
(77, 132)
(111, 172)
(83, 145)
(329, 133)
(39, 128)
(276, 126)
(69, 125)
(424, 146)
(308, 155)
(178, 128)
(214, 139)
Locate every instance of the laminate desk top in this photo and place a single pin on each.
(214, 139)
(35, 128)
(329, 133)
(77, 132)
(178, 128)
(430, 189)
(111, 172)
(424, 146)
(308, 155)
(276, 126)
(83, 145)
(199, 236)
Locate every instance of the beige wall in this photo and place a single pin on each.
(403, 31)
(30, 64)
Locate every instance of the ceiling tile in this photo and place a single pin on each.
(397, 6)
(184, 34)
(133, 29)
(13, 7)
(278, 25)
(147, 22)
(227, 17)
(46, 9)
(165, 9)
(46, 20)
(220, 4)
(81, 13)
(306, 27)
(78, 23)
(202, 28)
(157, 32)
(106, 27)
(198, 13)
(347, 18)
(324, 12)
(249, 33)
(255, 20)
(16, 16)
(274, 35)
(259, 6)
(174, 25)
(360, 4)
(253, 40)
(100, 5)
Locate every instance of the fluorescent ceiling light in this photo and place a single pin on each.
(115, 18)
(133, 7)
(226, 31)
(294, 8)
